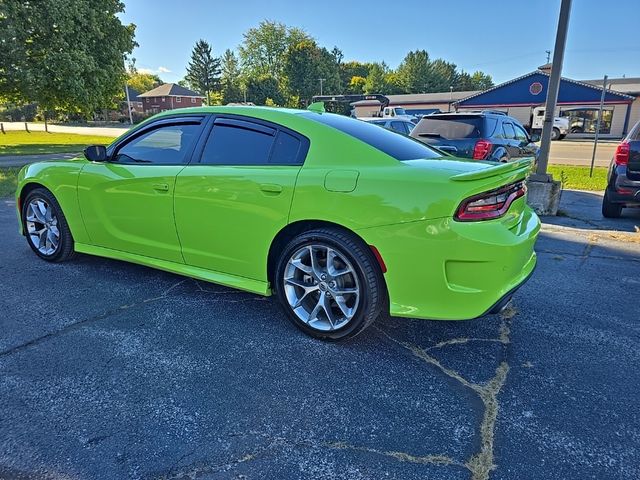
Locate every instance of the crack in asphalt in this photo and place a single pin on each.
(481, 463)
(274, 442)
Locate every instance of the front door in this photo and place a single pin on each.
(127, 202)
(231, 204)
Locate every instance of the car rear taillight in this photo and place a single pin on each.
(622, 154)
(481, 149)
(490, 205)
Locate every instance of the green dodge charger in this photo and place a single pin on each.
(342, 220)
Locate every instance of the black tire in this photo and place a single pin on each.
(561, 137)
(609, 209)
(64, 250)
(372, 290)
(555, 134)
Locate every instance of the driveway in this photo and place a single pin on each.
(112, 370)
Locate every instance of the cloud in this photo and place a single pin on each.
(154, 71)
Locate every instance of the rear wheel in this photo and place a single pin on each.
(329, 284)
(609, 209)
(45, 226)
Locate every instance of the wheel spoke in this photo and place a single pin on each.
(301, 266)
(345, 291)
(342, 304)
(313, 316)
(326, 306)
(42, 238)
(315, 268)
(40, 210)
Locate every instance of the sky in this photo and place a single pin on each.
(505, 39)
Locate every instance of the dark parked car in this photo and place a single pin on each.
(400, 126)
(623, 185)
(480, 136)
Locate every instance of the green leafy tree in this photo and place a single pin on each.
(64, 55)
(143, 82)
(442, 76)
(305, 65)
(413, 72)
(203, 71)
(351, 69)
(376, 80)
(231, 78)
(481, 81)
(262, 87)
(264, 47)
(356, 85)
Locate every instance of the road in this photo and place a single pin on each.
(110, 370)
(573, 152)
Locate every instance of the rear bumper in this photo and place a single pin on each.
(447, 270)
(621, 189)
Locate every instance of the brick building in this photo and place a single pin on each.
(168, 97)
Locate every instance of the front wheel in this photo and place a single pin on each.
(330, 284)
(45, 226)
(555, 134)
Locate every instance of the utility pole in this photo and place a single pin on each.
(321, 80)
(544, 192)
(553, 88)
(126, 90)
(548, 52)
(598, 123)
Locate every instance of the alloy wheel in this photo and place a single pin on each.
(321, 287)
(42, 226)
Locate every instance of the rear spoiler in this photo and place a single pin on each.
(523, 166)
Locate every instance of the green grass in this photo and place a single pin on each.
(8, 181)
(23, 143)
(577, 178)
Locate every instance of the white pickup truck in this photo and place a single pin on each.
(560, 124)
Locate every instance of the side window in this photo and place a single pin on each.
(508, 131)
(398, 127)
(286, 150)
(165, 145)
(521, 134)
(234, 142)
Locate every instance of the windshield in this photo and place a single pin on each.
(399, 147)
(400, 111)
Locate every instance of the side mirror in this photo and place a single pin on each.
(96, 153)
(535, 137)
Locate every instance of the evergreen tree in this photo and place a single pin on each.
(203, 71)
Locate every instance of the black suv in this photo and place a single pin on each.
(480, 136)
(623, 180)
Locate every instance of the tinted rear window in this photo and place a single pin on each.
(397, 146)
(470, 127)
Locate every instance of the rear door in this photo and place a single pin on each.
(510, 142)
(231, 203)
(526, 148)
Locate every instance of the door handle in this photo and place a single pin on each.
(271, 187)
(161, 187)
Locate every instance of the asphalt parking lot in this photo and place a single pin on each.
(112, 370)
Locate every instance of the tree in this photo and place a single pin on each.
(305, 64)
(262, 87)
(263, 49)
(143, 82)
(376, 81)
(203, 71)
(230, 79)
(442, 76)
(481, 81)
(64, 55)
(413, 72)
(351, 69)
(357, 84)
